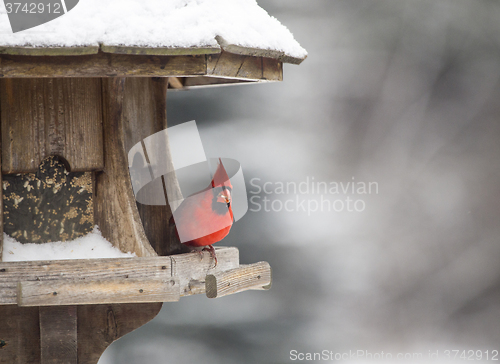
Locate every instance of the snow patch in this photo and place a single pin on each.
(90, 246)
(158, 23)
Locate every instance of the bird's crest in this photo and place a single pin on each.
(220, 177)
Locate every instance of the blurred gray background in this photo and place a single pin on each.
(404, 93)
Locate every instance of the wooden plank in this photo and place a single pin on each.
(195, 267)
(114, 206)
(243, 278)
(117, 65)
(248, 51)
(100, 325)
(257, 52)
(242, 67)
(83, 292)
(251, 68)
(89, 269)
(20, 329)
(224, 64)
(293, 60)
(58, 335)
(49, 51)
(151, 51)
(1, 197)
(188, 267)
(101, 65)
(159, 51)
(272, 70)
(44, 117)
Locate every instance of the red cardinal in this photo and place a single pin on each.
(206, 217)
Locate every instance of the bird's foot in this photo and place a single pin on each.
(211, 250)
(200, 252)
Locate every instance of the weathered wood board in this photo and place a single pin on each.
(20, 330)
(55, 116)
(58, 335)
(186, 267)
(144, 114)
(159, 51)
(101, 65)
(114, 204)
(222, 68)
(243, 278)
(82, 292)
(244, 67)
(100, 325)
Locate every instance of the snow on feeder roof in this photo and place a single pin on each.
(157, 27)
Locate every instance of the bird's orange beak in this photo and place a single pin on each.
(224, 197)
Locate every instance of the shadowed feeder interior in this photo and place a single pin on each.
(49, 205)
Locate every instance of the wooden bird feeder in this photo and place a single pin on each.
(68, 118)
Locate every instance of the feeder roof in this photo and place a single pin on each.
(156, 27)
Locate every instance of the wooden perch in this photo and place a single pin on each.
(243, 278)
(118, 280)
(129, 280)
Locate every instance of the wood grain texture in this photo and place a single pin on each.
(101, 65)
(82, 292)
(58, 335)
(118, 65)
(144, 114)
(243, 67)
(100, 325)
(187, 267)
(86, 269)
(272, 70)
(159, 51)
(196, 266)
(248, 51)
(258, 52)
(20, 329)
(114, 205)
(49, 51)
(44, 117)
(243, 278)
(1, 199)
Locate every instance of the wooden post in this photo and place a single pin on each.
(58, 335)
(144, 114)
(115, 207)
